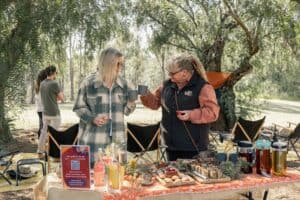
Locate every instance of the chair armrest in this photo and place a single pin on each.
(277, 125)
(291, 123)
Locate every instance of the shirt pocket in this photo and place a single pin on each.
(96, 104)
(119, 101)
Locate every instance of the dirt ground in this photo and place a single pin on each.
(25, 140)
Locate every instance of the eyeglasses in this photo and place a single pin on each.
(174, 73)
(121, 65)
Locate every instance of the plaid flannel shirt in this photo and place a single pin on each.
(94, 98)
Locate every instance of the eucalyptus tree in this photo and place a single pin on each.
(208, 27)
(25, 25)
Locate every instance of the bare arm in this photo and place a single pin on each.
(60, 96)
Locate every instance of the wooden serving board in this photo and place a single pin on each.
(191, 181)
(201, 179)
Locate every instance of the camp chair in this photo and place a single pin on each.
(245, 130)
(144, 138)
(57, 138)
(5, 163)
(217, 79)
(291, 134)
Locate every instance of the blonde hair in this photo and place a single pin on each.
(188, 62)
(108, 64)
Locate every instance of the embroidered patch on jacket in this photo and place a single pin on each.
(188, 93)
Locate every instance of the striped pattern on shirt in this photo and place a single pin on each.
(93, 99)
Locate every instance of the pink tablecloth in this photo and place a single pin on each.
(247, 183)
(51, 188)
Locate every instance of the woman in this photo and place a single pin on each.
(188, 104)
(102, 102)
(38, 102)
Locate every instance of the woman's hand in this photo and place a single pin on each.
(100, 120)
(183, 115)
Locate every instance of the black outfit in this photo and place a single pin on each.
(175, 135)
(40, 114)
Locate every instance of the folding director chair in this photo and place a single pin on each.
(245, 130)
(5, 163)
(144, 138)
(57, 138)
(292, 135)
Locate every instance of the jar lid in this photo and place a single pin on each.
(244, 143)
(263, 144)
(279, 145)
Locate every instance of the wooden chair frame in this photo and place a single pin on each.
(50, 137)
(146, 149)
(230, 145)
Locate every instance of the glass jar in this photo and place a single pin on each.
(263, 157)
(245, 152)
(279, 153)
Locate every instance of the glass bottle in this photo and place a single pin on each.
(99, 170)
(279, 153)
(245, 152)
(263, 157)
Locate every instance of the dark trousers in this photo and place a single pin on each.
(173, 155)
(40, 114)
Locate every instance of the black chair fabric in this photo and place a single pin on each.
(65, 137)
(144, 134)
(250, 127)
(296, 133)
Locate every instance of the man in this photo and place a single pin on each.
(50, 94)
(188, 104)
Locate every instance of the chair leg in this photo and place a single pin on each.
(248, 195)
(265, 194)
(295, 149)
(163, 157)
(6, 179)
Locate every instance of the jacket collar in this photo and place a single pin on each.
(193, 81)
(99, 83)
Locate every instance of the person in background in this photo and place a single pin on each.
(38, 102)
(50, 94)
(188, 104)
(103, 99)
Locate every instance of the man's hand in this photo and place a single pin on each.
(183, 115)
(100, 120)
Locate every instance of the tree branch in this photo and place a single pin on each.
(179, 46)
(241, 24)
(191, 16)
(177, 31)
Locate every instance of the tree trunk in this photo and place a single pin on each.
(32, 82)
(71, 70)
(5, 134)
(163, 64)
(212, 61)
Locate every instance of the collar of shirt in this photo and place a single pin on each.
(98, 82)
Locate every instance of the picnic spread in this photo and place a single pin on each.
(205, 176)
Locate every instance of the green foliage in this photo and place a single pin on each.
(34, 33)
(232, 170)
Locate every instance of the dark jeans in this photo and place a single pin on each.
(40, 114)
(173, 155)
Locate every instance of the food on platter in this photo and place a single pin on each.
(171, 177)
(207, 173)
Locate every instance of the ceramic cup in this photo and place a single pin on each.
(142, 89)
(132, 95)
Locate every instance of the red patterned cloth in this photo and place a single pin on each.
(247, 183)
